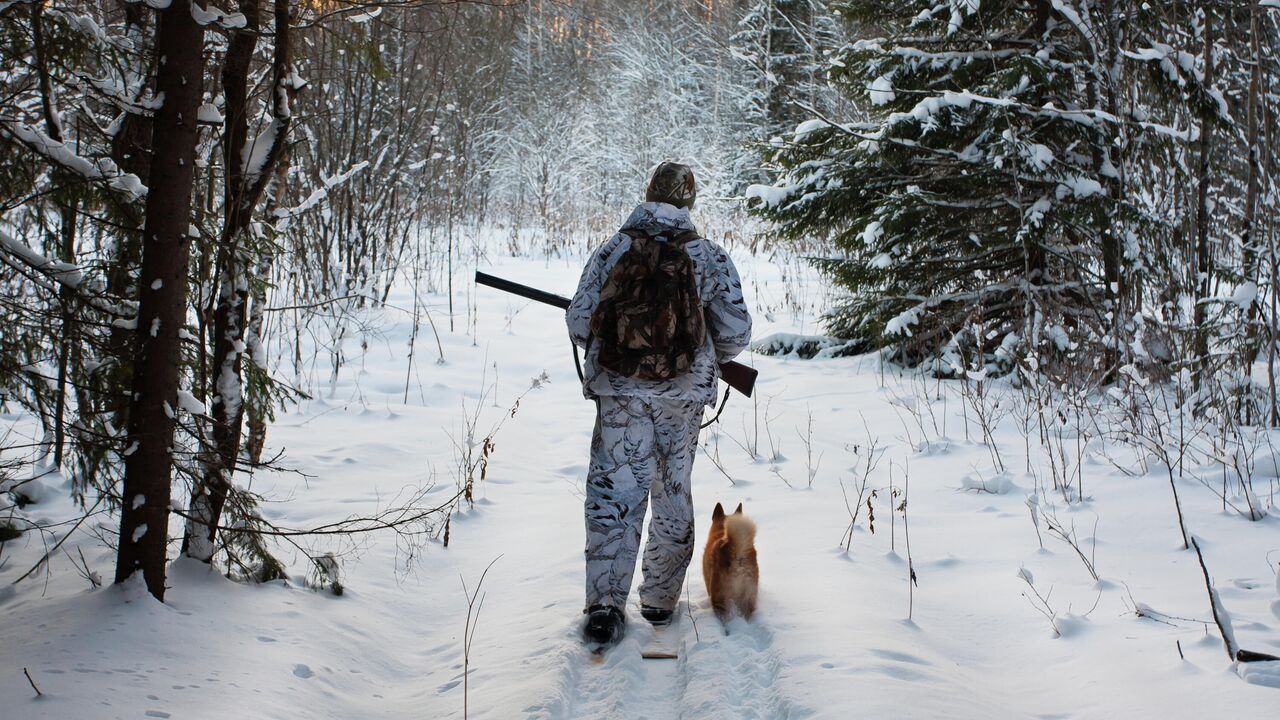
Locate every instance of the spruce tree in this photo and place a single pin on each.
(983, 206)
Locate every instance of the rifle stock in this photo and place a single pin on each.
(736, 375)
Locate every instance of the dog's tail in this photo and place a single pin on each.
(740, 529)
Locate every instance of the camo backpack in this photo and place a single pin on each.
(648, 323)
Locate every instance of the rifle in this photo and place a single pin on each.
(736, 375)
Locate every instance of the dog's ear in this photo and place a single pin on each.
(718, 512)
(739, 510)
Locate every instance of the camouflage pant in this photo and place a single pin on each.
(642, 448)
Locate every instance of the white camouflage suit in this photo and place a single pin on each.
(646, 432)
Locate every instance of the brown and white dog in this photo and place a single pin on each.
(729, 563)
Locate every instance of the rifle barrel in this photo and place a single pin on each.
(525, 291)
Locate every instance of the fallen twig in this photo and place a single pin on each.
(1223, 620)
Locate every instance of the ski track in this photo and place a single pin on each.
(723, 673)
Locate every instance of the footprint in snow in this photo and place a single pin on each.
(302, 671)
(900, 657)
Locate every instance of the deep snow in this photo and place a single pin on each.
(831, 640)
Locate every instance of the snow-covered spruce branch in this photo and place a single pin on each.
(905, 48)
(49, 272)
(969, 297)
(87, 27)
(876, 134)
(1079, 23)
(964, 99)
(112, 91)
(983, 43)
(103, 170)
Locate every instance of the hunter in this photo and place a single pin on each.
(657, 308)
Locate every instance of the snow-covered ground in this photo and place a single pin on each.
(839, 634)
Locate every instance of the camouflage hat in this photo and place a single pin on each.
(672, 183)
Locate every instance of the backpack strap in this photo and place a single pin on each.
(682, 237)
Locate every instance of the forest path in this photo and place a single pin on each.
(728, 672)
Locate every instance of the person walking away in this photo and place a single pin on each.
(657, 308)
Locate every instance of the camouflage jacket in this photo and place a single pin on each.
(720, 290)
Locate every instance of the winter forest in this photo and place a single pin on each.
(268, 450)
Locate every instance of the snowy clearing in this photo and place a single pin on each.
(832, 637)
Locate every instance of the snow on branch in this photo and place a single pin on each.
(114, 92)
(257, 152)
(83, 24)
(214, 16)
(1174, 62)
(319, 194)
(954, 55)
(103, 169)
(65, 274)
(771, 196)
(1079, 22)
(1178, 66)
(364, 17)
(960, 8)
(154, 4)
(963, 100)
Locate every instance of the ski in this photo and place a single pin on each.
(662, 644)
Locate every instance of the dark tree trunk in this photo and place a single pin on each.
(131, 150)
(144, 516)
(66, 243)
(68, 343)
(1249, 234)
(1203, 269)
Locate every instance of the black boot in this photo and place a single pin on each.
(656, 617)
(605, 625)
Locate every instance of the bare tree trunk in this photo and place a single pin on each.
(244, 186)
(1249, 234)
(257, 422)
(68, 343)
(66, 242)
(144, 516)
(1203, 270)
(1102, 95)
